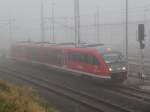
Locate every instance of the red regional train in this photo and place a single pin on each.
(100, 62)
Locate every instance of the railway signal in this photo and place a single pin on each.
(141, 40)
(141, 35)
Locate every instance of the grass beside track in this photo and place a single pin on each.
(14, 98)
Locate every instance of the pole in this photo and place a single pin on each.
(146, 25)
(98, 25)
(53, 23)
(141, 65)
(141, 39)
(11, 23)
(10, 31)
(42, 23)
(141, 74)
(67, 33)
(127, 36)
(77, 22)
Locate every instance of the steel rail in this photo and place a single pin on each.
(80, 97)
(139, 95)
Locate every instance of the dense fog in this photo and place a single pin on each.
(21, 21)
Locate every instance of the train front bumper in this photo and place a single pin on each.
(119, 76)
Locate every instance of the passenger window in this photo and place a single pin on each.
(92, 60)
(88, 59)
(82, 58)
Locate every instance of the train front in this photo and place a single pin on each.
(116, 63)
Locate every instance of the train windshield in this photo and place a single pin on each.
(113, 57)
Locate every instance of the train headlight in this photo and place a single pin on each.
(110, 69)
(124, 68)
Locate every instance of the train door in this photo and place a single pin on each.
(60, 57)
(64, 59)
(85, 62)
(79, 62)
(95, 64)
(73, 61)
(91, 64)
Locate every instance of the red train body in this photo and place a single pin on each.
(87, 61)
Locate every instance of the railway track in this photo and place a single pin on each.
(134, 92)
(134, 71)
(84, 99)
(96, 103)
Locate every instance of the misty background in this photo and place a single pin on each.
(20, 20)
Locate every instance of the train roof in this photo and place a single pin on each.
(100, 49)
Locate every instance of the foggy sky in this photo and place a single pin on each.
(27, 14)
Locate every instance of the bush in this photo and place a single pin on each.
(21, 99)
